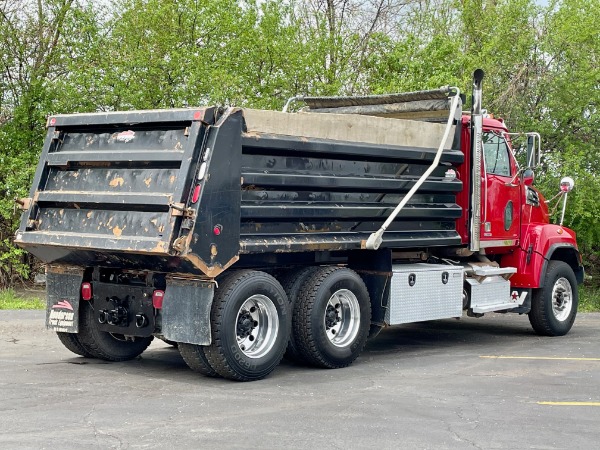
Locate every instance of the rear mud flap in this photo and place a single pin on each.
(186, 311)
(62, 299)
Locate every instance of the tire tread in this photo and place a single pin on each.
(301, 328)
(72, 343)
(195, 357)
(541, 315)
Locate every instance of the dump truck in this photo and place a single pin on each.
(240, 236)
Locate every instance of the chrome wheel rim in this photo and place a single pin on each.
(342, 318)
(257, 325)
(562, 299)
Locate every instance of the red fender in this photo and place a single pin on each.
(537, 245)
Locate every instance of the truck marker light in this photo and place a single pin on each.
(86, 291)
(196, 194)
(198, 115)
(157, 299)
(217, 230)
(52, 121)
(202, 171)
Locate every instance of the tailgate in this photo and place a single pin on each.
(115, 182)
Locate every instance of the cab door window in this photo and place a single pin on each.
(496, 154)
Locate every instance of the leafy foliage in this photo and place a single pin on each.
(542, 68)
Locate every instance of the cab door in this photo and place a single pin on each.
(501, 200)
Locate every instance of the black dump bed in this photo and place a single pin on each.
(189, 191)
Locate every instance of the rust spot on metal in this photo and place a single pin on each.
(88, 215)
(160, 247)
(64, 269)
(251, 135)
(210, 271)
(147, 181)
(117, 231)
(24, 203)
(172, 179)
(116, 182)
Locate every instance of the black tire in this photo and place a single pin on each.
(232, 354)
(292, 282)
(310, 322)
(106, 346)
(71, 342)
(554, 306)
(195, 358)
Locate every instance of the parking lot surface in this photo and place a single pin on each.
(487, 383)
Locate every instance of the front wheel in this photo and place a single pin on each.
(107, 346)
(250, 326)
(554, 306)
(332, 317)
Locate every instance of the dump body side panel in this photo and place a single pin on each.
(317, 191)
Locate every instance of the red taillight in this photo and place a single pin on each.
(86, 291)
(157, 299)
(196, 194)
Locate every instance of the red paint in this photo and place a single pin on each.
(86, 291)
(540, 237)
(196, 194)
(533, 234)
(157, 298)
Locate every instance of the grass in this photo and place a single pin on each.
(10, 299)
(589, 299)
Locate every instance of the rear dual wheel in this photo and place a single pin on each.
(72, 343)
(250, 326)
(251, 321)
(332, 317)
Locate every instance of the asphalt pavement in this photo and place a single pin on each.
(487, 383)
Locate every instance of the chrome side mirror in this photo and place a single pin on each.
(528, 177)
(567, 184)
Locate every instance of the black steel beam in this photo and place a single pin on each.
(345, 241)
(300, 212)
(105, 198)
(349, 183)
(134, 117)
(300, 145)
(140, 156)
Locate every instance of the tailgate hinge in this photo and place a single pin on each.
(24, 203)
(179, 209)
